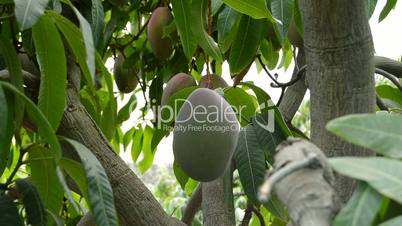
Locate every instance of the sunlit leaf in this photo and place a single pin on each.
(380, 173)
(28, 12)
(99, 190)
(361, 209)
(52, 63)
(378, 132)
(256, 9)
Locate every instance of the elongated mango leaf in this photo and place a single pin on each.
(96, 19)
(246, 43)
(14, 69)
(28, 12)
(99, 190)
(380, 173)
(44, 177)
(88, 39)
(181, 176)
(396, 221)
(75, 41)
(77, 172)
(250, 162)
(37, 117)
(270, 55)
(147, 154)
(36, 212)
(387, 9)
(256, 9)
(4, 130)
(378, 132)
(199, 14)
(283, 11)
(136, 145)
(371, 7)
(361, 209)
(182, 14)
(392, 95)
(227, 20)
(8, 212)
(242, 103)
(52, 63)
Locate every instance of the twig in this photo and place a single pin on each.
(247, 215)
(278, 84)
(15, 170)
(389, 76)
(381, 104)
(259, 216)
(266, 188)
(281, 96)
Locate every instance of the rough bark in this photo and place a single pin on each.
(306, 192)
(294, 94)
(339, 55)
(135, 204)
(215, 208)
(193, 205)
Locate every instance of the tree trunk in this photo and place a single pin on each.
(134, 203)
(339, 56)
(217, 201)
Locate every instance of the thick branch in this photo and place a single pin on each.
(294, 94)
(215, 209)
(307, 190)
(135, 204)
(193, 205)
(392, 66)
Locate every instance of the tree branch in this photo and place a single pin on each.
(389, 76)
(193, 205)
(392, 66)
(303, 183)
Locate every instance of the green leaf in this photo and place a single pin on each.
(99, 190)
(52, 63)
(361, 209)
(5, 137)
(250, 162)
(242, 102)
(282, 10)
(380, 173)
(269, 133)
(181, 10)
(75, 41)
(380, 133)
(216, 5)
(8, 212)
(28, 12)
(275, 207)
(227, 20)
(88, 39)
(36, 212)
(392, 95)
(127, 109)
(246, 43)
(256, 9)
(45, 129)
(128, 136)
(136, 145)
(181, 176)
(159, 134)
(96, 19)
(44, 177)
(387, 9)
(14, 69)
(109, 119)
(269, 53)
(396, 221)
(371, 7)
(147, 154)
(77, 172)
(199, 13)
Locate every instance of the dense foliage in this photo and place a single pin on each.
(151, 41)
